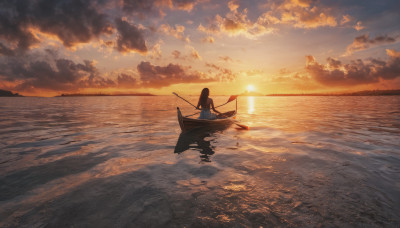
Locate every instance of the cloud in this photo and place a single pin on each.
(192, 55)
(233, 5)
(208, 39)
(226, 58)
(152, 76)
(359, 26)
(305, 14)
(25, 24)
(76, 22)
(187, 5)
(224, 74)
(144, 7)
(252, 73)
(363, 42)
(43, 71)
(357, 72)
(345, 19)
(297, 13)
(126, 81)
(141, 7)
(46, 71)
(156, 52)
(177, 32)
(284, 71)
(392, 53)
(5, 50)
(236, 22)
(176, 54)
(129, 38)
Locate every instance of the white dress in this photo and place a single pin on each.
(207, 115)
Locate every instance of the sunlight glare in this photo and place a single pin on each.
(250, 103)
(250, 88)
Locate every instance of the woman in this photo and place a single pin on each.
(205, 103)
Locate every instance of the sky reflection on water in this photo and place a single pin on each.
(122, 161)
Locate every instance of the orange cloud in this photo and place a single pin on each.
(208, 39)
(357, 72)
(392, 53)
(224, 74)
(156, 52)
(177, 32)
(305, 15)
(236, 23)
(363, 42)
(345, 19)
(192, 55)
(297, 13)
(358, 26)
(226, 58)
(186, 5)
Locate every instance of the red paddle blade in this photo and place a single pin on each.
(242, 127)
(232, 98)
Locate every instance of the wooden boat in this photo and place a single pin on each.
(187, 123)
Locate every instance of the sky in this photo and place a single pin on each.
(50, 47)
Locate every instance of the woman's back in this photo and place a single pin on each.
(207, 104)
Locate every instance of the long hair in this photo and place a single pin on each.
(204, 96)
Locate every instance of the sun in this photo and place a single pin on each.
(251, 88)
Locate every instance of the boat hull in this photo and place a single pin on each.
(187, 124)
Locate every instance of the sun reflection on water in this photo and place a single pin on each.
(250, 105)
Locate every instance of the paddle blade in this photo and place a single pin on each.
(232, 98)
(242, 127)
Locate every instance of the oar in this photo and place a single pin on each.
(231, 98)
(184, 100)
(244, 127)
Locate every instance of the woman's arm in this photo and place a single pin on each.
(198, 105)
(212, 106)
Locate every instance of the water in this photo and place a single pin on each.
(121, 161)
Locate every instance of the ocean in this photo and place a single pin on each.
(312, 161)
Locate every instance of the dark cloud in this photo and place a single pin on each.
(357, 72)
(33, 72)
(129, 37)
(184, 4)
(144, 7)
(363, 42)
(74, 21)
(46, 71)
(5, 50)
(138, 6)
(159, 76)
(126, 81)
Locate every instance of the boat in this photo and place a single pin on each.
(187, 123)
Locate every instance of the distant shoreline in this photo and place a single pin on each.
(107, 95)
(360, 93)
(5, 93)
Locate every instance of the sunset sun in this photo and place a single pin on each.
(250, 88)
